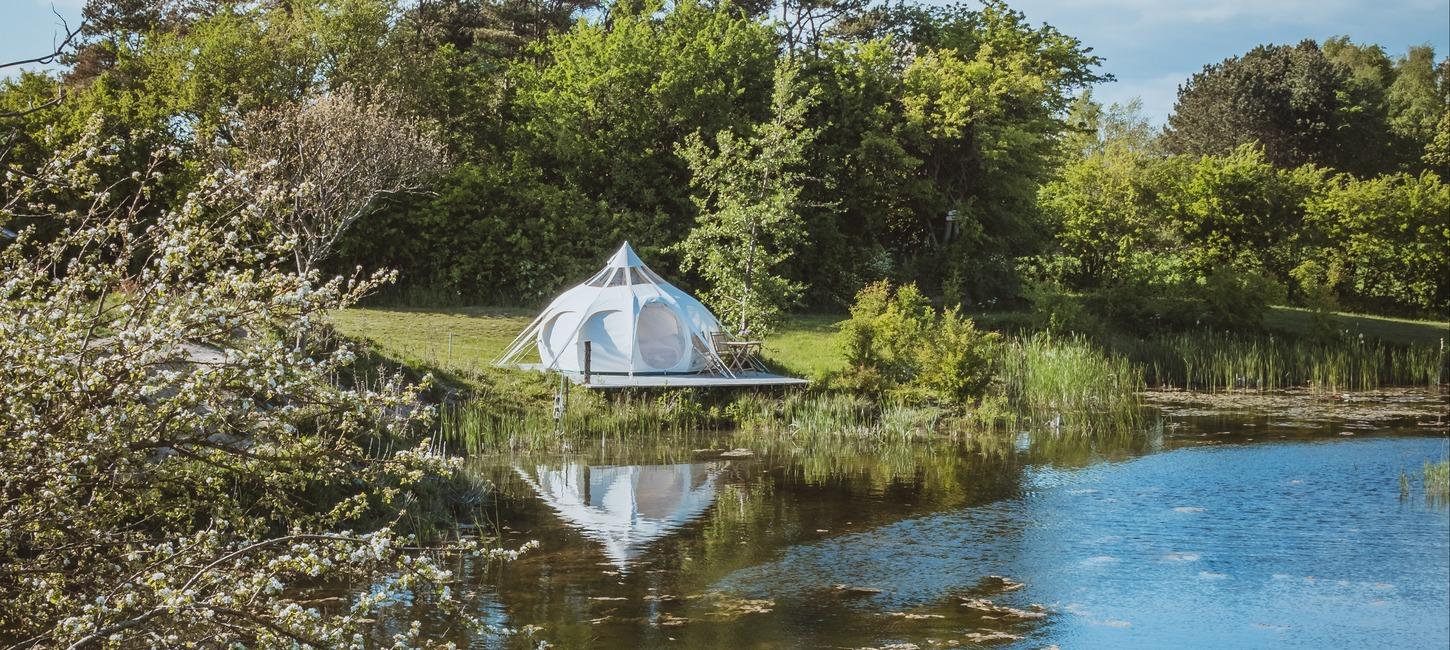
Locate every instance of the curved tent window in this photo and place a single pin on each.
(660, 336)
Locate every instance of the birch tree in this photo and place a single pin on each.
(748, 195)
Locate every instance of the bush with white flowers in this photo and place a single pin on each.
(183, 454)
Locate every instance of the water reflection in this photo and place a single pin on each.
(624, 507)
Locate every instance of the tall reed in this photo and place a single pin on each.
(1437, 481)
(1068, 379)
(482, 425)
(1215, 361)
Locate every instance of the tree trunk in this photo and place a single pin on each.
(749, 266)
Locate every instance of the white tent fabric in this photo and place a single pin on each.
(624, 507)
(634, 320)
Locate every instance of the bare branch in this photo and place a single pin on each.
(327, 162)
(47, 59)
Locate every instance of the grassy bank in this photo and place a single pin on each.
(1293, 321)
(1045, 381)
(467, 339)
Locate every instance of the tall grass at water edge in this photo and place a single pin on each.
(482, 425)
(1437, 480)
(1068, 381)
(1045, 381)
(1213, 361)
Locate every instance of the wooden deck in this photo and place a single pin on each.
(692, 380)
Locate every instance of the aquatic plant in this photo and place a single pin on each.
(1437, 480)
(481, 425)
(1068, 381)
(1215, 361)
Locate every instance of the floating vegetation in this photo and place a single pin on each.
(910, 616)
(725, 606)
(982, 605)
(1301, 406)
(1214, 361)
(982, 638)
(998, 585)
(846, 590)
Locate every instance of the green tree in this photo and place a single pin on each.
(1437, 151)
(749, 222)
(1390, 236)
(1103, 206)
(603, 110)
(1285, 98)
(1225, 207)
(1364, 134)
(1415, 98)
(984, 98)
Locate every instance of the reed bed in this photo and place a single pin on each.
(838, 413)
(1069, 382)
(481, 425)
(1213, 361)
(1045, 382)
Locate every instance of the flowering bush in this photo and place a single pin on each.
(181, 456)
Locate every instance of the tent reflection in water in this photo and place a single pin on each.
(625, 507)
(630, 327)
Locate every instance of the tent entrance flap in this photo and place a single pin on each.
(660, 336)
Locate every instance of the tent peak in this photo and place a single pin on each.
(625, 256)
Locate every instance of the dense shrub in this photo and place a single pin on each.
(897, 343)
(179, 459)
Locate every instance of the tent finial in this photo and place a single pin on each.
(625, 256)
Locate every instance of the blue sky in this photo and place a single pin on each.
(1149, 45)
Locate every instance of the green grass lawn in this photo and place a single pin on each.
(805, 345)
(465, 339)
(1294, 320)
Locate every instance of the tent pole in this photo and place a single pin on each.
(518, 341)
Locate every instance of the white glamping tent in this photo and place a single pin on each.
(640, 330)
(634, 320)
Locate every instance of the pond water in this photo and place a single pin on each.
(1221, 527)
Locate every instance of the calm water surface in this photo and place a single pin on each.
(1250, 530)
